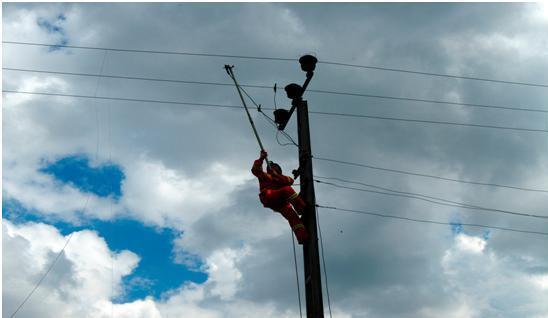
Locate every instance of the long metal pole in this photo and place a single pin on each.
(231, 74)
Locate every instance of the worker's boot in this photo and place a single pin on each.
(301, 233)
(298, 203)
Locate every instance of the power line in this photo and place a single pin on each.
(49, 268)
(125, 99)
(431, 221)
(428, 101)
(459, 205)
(437, 122)
(418, 195)
(311, 112)
(334, 63)
(428, 175)
(323, 262)
(43, 276)
(296, 274)
(268, 87)
(249, 57)
(433, 74)
(258, 106)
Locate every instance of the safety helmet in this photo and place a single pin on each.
(276, 166)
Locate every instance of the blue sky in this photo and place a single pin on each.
(54, 26)
(178, 176)
(156, 272)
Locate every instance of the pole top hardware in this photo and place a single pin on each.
(308, 63)
(228, 68)
(281, 117)
(294, 91)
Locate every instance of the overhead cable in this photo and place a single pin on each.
(427, 175)
(265, 108)
(418, 195)
(334, 63)
(423, 121)
(459, 205)
(323, 261)
(431, 221)
(269, 87)
(239, 107)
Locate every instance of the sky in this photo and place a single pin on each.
(157, 200)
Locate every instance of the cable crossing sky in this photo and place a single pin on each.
(281, 59)
(140, 78)
(267, 108)
(431, 221)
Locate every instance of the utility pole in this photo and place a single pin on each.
(312, 274)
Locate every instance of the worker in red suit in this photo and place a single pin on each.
(277, 194)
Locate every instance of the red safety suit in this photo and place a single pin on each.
(277, 194)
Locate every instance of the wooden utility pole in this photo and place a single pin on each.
(312, 274)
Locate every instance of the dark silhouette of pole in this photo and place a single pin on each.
(312, 274)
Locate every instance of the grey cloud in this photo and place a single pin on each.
(377, 267)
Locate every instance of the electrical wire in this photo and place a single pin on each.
(310, 112)
(432, 74)
(296, 274)
(428, 175)
(315, 157)
(414, 194)
(125, 99)
(323, 262)
(464, 206)
(71, 235)
(431, 221)
(429, 101)
(85, 204)
(268, 87)
(334, 63)
(259, 109)
(43, 276)
(430, 121)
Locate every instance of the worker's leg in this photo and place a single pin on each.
(287, 194)
(294, 221)
(298, 203)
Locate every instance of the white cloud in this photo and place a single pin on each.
(165, 197)
(81, 280)
(470, 243)
(222, 269)
(189, 170)
(540, 280)
(485, 283)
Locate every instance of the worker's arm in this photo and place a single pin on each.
(257, 168)
(281, 179)
(284, 180)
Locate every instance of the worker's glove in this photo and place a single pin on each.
(263, 154)
(296, 173)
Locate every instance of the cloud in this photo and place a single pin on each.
(187, 168)
(222, 269)
(487, 283)
(82, 278)
(165, 197)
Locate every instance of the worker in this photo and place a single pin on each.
(277, 194)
